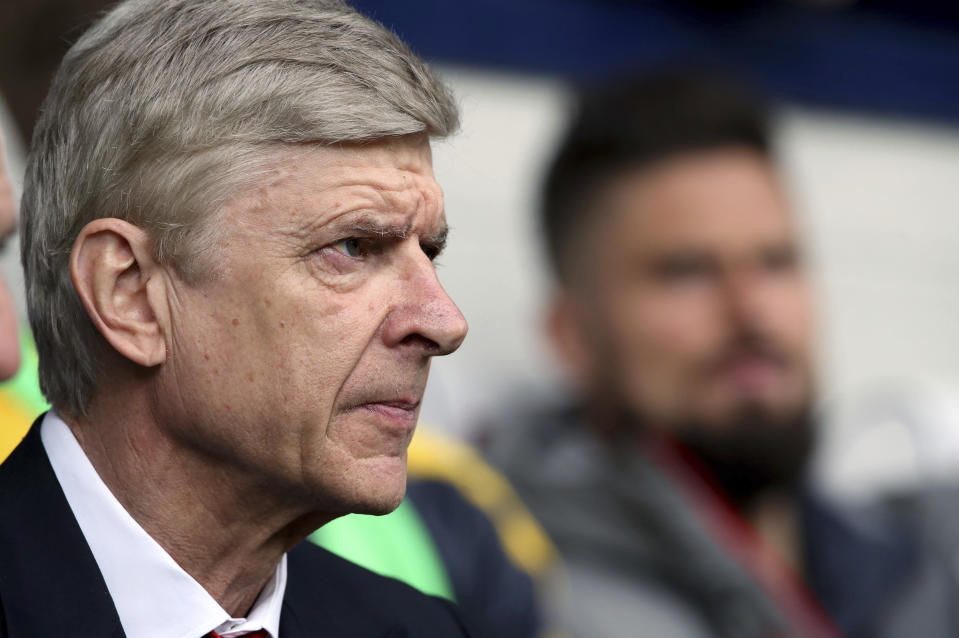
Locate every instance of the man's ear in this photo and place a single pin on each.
(567, 332)
(111, 266)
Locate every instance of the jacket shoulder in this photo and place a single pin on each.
(344, 599)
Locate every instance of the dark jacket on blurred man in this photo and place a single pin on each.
(650, 552)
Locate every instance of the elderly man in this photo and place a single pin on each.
(673, 486)
(229, 222)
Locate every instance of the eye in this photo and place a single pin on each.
(351, 247)
(784, 259)
(683, 268)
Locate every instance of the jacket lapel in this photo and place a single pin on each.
(50, 584)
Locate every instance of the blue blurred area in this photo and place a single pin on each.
(881, 56)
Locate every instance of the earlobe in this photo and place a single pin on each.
(567, 334)
(111, 266)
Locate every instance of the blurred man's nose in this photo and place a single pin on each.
(747, 294)
(424, 314)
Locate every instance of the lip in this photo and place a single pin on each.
(751, 374)
(399, 413)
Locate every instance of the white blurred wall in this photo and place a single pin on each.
(881, 205)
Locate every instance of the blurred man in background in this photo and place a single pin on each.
(674, 486)
(9, 343)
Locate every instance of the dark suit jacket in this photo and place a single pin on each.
(50, 584)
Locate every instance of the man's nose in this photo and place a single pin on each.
(424, 315)
(743, 293)
(751, 296)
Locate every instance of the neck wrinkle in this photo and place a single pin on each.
(222, 528)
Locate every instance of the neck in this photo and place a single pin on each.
(221, 527)
(772, 512)
(775, 518)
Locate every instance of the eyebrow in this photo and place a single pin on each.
(436, 242)
(371, 225)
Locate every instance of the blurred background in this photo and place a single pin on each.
(868, 126)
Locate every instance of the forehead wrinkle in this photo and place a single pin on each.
(385, 178)
(378, 211)
(410, 193)
(309, 206)
(311, 210)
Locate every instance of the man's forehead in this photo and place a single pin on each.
(322, 163)
(725, 194)
(411, 152)
(382, 185)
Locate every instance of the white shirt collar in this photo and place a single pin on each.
(153, 595)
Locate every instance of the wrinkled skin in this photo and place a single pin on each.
(303, 360)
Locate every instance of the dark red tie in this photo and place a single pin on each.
(256, 634)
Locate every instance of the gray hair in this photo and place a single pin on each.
(166, 108)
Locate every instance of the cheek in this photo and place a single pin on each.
(316, 342)
(792, 314)
(666, 330)
(656, 343)
(801, 313)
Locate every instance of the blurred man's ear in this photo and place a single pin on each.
(111, 266)
(567, 331)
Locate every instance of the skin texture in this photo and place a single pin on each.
(9, 342)
(691, 305)
(243, 411)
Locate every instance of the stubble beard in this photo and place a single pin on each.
(753, 450)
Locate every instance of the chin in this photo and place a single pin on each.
(380, 504)
(381, 491)
(383, 508)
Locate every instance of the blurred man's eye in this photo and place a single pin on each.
(783, 259)
(684, 269)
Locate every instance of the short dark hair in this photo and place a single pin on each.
(634, 123)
